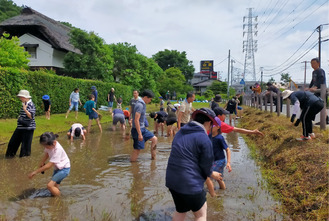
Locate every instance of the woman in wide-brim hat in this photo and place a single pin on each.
(25, 127)
(310, 106)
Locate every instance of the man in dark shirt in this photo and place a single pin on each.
(318, 78)
(159, 119)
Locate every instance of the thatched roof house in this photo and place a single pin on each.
(36, 30)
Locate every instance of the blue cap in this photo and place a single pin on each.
(93, 88)
(161, 97)
(45, 97)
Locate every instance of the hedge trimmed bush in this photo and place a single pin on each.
(59, 88)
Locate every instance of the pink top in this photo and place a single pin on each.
(58, 156)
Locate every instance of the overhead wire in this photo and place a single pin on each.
(287, 60)
(298, 59)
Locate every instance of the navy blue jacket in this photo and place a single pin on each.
(190, 160)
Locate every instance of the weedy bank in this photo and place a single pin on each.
(297, 172)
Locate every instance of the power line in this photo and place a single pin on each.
(270, 41)
(292, 54)
(280, 72)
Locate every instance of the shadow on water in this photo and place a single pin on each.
(104, 185)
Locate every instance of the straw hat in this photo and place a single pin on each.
(24, 93)
(286, 93)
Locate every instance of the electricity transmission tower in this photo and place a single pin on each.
(249, 45)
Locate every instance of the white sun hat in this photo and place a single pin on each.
(24, 93)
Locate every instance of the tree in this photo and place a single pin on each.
(11, 54)
(168, 59)
(134, 69)
(218, 87)
(95, 60)
(173, 80)
(271, 80)
(285, 78)
(8, 9)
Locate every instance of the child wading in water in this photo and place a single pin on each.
(57, 159)
(90, 108)
(219, 145)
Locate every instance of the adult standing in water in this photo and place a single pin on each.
(132, 103)
(138, 131)
(185, 110)
(25, 127)
(189, 165)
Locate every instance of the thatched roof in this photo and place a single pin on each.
(41, 26)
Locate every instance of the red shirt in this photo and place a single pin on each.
(225, 128)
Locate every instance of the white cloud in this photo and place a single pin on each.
(204, 29)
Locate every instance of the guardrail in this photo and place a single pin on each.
(262, 100)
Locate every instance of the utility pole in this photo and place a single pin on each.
(319, 30)
(232, 61)
(304, 74)
(261, 77)
(249, 45)
(228, 74)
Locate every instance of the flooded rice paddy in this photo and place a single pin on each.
(104, 185)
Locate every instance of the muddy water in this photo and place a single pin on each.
(104, 185)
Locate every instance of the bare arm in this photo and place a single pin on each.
(180, 114)
(245, 131)
(137, 126)
(228, 154)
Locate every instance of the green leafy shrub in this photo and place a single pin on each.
(59, 88)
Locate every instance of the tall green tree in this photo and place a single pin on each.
(125, 60)
(173, 80)
(95, 60)
(8, 9)
(172, 58)
(11, 54)
(134, 69)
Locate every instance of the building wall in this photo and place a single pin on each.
(46, 56)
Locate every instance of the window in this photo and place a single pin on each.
(31, 49)
(32, 52)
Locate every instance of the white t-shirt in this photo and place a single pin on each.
(58, 156)
(74, 126)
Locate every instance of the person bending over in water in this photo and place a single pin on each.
(57, 159)
(76, 131)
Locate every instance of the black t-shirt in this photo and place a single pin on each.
(111, 96)
(318, 78)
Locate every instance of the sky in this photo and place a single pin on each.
(207, 29)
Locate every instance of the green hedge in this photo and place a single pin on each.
(59, 88)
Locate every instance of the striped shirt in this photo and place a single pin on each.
(31, 109)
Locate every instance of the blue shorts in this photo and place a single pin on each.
(240, 108)
(139, 145)
(93, 115)
(75, 105)
(219, 166)
(59, 175)
(110, 104)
